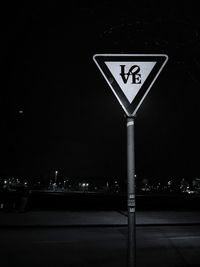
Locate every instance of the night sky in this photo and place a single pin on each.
(57, 111)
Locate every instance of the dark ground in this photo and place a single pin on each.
(78, 237)
(172, 246)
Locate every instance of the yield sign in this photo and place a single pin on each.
(130, 76)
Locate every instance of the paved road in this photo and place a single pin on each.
(89, 218)
(172, 246)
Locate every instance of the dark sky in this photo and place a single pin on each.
(71, 121)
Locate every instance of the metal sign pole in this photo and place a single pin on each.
(131, 193)
(130, 77)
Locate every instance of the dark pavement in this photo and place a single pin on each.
(92, 217)
(173, 246)
(98, 238)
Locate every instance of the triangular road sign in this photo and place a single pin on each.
(130, 76)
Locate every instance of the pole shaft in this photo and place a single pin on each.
(131, 193)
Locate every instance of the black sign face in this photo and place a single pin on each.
(130, 76)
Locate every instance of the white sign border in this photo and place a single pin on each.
(132, 55)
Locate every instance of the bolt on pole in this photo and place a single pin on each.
(131, 250)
